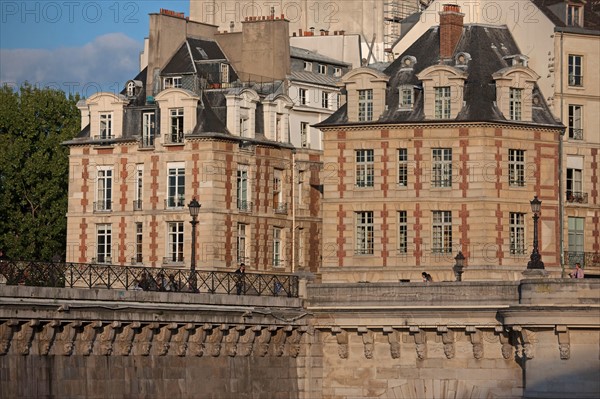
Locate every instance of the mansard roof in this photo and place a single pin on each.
(591, 15)
(308, 55)
(489, 48)
(191, 54)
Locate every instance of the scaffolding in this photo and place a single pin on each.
(394, 11)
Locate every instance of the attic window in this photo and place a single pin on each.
(224, 73)
(130, 89)
(462, 59)
(172, 82)
(337, 71)
(574, 15)
(202, 53)
(308, 66)
(323, 69)
(406, 97)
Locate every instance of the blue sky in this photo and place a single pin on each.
(76, 46)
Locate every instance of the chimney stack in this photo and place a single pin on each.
(451, 26)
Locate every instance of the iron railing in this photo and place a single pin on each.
(577, 197)
(585, 259)
(82, 275)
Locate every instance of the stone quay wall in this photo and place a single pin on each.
(537, 338)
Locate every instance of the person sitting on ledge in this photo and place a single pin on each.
(426, 277)
(578, 272)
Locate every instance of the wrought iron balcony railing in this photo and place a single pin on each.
(585, 259)
(137, 205)
(147, 142)
(175, 203)
(244, 206)
(80, 275)
(102, 137)
(173, 138)
(575, 197)
(173, 260)
(575, 134)
(103, 206)
(281, 208)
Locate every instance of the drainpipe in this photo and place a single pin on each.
(293, 210)
(561, 205)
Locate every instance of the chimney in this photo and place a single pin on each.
(451, 26)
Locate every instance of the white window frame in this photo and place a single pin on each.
(575, 122)
(148, 129)
(176, 122)
(402, 245)
(277, 248)
(517, 233)
(365, 105)
(104, 243)
(106, 125)
(516, 168)
(365, 229)
(574, 15)
(302, 96)
(365, 168)
(308, 66)
(130, 89)
(337, 71)
(575, 70)
(175, 185)
(139, 243)
(242, 243)
(301, 248)
(175, 242)
(441, 167)
(172, 82)
(441, 232)
(402, 167)
(304, 134)
(300, 188)
(325, 103)
(278, 189)
(574, 182)
(243, 188)
(224, 72)
(406, 95)
(104, 183)
(443, 103)
(515, 104)
(323, 69)
(139, 186)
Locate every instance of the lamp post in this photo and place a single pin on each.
(194, 207)
(459, 265)
(535, 261)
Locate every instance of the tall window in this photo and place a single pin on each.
(402, 232)
(365, 105)
(277, 261)
(515, 104)
(442, 167)
(175, 242)
(241, 243)
(172, 82)
(304, 129)
(130, 89)
(139, 187)
(573, 15)
(442, 102)
(302, 96)
(516, 168)
(176, 125)
(364, 168)
(139, 238)
(106, 131)
(242, 189)
(325, 99)
(224, 73)
(442, 232)
(364, 233)
(574, 184)
(103, 243)
(575, 71)
(575, 125)
(406, 97)
(176, 185)
(517, 233)
(300, 188)
(278, 127)
(402, 167)
(244, 127)
(278, 204)
(576, 240)
(301, 248)
(148, 129)
(104, 189)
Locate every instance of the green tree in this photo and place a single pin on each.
(34, 170)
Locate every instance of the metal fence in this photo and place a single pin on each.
(82, 275)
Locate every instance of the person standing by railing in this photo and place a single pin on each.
(239, 278)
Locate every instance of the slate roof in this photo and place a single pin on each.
(191, 53)
(312, 77)
(488, 46)
(591, 14)
(297, 52)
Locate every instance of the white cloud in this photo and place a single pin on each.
(107, 63)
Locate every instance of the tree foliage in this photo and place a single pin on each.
(34, 170)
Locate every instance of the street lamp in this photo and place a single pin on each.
(536, 259)
(194, 207)
(459, 266)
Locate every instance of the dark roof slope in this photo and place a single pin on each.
(591, 13)
(489, 48)
(191, 52)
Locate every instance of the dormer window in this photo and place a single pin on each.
(337, 71)
(172, 82)
(442, 102)
(308, 66)
(130, 89)
(106, 131)
(515, 104)
(365, 105)
(408, 62)
(224, 73)
(574, 15)
(323, 69)
(406, 97)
